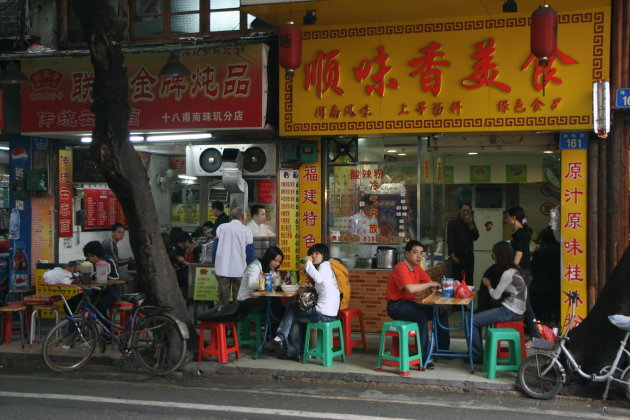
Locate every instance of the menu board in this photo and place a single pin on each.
(102, 209)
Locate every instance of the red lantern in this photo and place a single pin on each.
(290, 47)
(544, 33)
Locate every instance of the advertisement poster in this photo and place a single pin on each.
(480, 173)
(515, 173)
(289, 218)
(206, 284)
(42, 231)
(20, 215)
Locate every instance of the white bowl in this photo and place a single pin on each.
(290, 288)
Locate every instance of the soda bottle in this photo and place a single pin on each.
(14, 224)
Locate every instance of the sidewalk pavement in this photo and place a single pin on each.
(359, 368)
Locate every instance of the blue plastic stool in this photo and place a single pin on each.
(402, 330)
(324, 349)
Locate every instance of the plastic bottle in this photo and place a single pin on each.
(261, 281)
(303, 260)
(14, 224)
(102, 271)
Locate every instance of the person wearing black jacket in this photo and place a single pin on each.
(460, 236)
(218, 211)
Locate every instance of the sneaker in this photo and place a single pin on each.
(275, 345)
(430, 365)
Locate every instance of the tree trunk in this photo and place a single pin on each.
(595, 341)
(118, 161)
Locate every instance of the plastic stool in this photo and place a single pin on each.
(346, 316)
(123, 308)
(244, 329)
(502, 352)
(218, 341)
(490, 362)
(37, 309)
(401, 330)
(325, 348)
(7, 326)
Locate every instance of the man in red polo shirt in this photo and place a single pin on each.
(407, 279)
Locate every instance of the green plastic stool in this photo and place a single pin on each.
(490, 362)
(404, 330)
(243, 328)
(324, 349)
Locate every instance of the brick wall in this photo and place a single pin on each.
(368, 294)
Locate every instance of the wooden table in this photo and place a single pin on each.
(436, 299)
(268, 313)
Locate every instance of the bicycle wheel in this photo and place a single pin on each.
(69, 345)
(625, 376)
(158, 344)
(536, 385)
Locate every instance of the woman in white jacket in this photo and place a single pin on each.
(269, 263)
(289, 337)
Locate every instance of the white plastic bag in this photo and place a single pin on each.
(57, 276)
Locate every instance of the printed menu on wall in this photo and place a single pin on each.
(102, 209)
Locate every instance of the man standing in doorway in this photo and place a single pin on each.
(460, 235)
(232, 250)
(219, 213)
(258, 225)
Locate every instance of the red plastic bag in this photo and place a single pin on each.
(462, 290)
(546, 333)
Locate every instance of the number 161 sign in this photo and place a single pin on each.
(573, 141)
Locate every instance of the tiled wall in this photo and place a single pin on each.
(368, 294)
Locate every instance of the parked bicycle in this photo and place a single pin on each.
(542, 375)
(152, 334)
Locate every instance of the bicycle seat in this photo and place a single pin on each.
(620, 321)
(135, 298)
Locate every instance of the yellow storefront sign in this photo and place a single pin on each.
(472, 74)
(573, 228)
(311, 201)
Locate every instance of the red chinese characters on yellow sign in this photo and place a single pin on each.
(64, 201)
(311, 204)
(573, 227)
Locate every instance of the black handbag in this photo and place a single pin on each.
(223, 313)
(307, 298)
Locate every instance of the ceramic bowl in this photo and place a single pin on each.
(290, 288)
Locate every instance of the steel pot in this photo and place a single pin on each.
(385, 257)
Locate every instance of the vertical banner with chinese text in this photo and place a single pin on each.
(573, 219)
(42, 232)
(20, 218)
(289, 218)
(65, 193)
(311, 204)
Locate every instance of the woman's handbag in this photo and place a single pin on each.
(307, 298)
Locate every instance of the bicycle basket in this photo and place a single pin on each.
(542, 344)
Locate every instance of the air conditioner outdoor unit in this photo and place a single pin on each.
(209, 159)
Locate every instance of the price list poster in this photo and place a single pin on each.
(289, 218)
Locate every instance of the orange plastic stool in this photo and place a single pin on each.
(218, 341)
(346, 316)
(504, 353)
(120, 307)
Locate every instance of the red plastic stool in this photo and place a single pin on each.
(346, 316)
(503, 353)
(395, 346)
(120, 307)
(218, 341)
(7, 324)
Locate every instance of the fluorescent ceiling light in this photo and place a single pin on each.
(191, 178)
(548, 151)
(180, 137)
(86, 139)
(4, 147)
(391, 151)
(136, 138)
(472, 153)
(402, 154)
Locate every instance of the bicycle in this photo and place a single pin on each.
(155, 337)
(542, 375)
